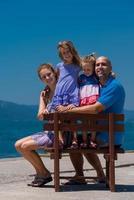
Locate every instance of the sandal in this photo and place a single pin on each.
(40, 181)
(34, 181)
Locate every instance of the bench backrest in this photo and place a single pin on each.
(84, 122)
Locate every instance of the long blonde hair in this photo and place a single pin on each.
(70, 46)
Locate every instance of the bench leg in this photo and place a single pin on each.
(106, 157)
(107, 173)
(112, 175)
(56, 173)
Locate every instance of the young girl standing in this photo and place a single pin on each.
(66, 94)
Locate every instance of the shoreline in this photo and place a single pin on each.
(45, 154)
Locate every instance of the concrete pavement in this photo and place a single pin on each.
(16, 173)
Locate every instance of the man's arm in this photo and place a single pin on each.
(91, 109)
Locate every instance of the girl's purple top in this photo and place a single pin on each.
(67, 90)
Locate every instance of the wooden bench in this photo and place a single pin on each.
(109, 123)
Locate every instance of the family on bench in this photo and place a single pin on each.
(77, 88)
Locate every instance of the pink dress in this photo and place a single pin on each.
(89, 89)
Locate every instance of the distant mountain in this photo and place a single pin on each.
(9, 110)
(13, 111)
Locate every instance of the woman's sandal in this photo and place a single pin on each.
(34, 181)
(40, 181)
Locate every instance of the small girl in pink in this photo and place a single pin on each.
(89, 93)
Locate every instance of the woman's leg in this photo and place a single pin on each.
(27, 147)
(83, 144)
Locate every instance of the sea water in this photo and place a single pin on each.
(12, 130)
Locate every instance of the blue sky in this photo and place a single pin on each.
(31, 29)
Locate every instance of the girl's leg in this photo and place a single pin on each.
(93, 136)
(75, 137)
(74, 141)
(61, 140)
(84, 140)
(84, 137)
(93, 140)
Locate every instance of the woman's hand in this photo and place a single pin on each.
(42, 94)
(42, 113)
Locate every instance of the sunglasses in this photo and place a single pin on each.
(91, 55)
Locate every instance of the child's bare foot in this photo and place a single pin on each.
(92, 144)
(74, 145)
